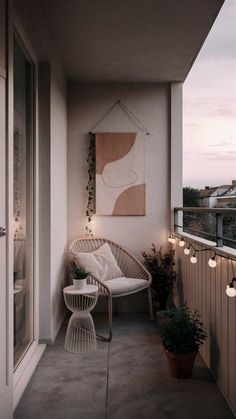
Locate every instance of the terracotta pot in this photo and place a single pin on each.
(79, 284)
(181, 365)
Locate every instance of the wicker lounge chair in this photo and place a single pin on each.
(136, 279)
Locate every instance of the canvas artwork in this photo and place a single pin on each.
(120, 173)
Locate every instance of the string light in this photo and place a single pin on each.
(181, 242)
(187, 250)
(212, 262)
(231, 288)
(171, 239)
(193, 258)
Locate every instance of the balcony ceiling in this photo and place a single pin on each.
(129, 40)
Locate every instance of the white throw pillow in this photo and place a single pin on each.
(100, 263)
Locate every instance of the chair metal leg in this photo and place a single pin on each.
(116, 306)
(109, 337)
(151, 314)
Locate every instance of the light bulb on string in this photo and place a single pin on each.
(212, 262)
(230, 289)
(181, 242)
(171, 239)
(187, 250)
(193, 258)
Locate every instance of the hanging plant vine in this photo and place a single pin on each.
(90, 188)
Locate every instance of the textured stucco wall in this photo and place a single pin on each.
(150, 103)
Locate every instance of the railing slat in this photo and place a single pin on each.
(232, 344)
(204, 289)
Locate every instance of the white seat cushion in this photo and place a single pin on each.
(124, 285)
(100, 263)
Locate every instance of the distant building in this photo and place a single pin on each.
(218, 196)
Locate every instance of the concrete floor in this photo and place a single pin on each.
(125, 379)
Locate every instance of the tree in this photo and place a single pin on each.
(191, 197)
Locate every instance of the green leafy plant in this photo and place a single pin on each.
(77, 272)
(90, 188)
(161, 267)
(183, 332)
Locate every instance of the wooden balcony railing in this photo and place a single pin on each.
(204, 288)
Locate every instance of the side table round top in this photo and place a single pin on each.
(86, 290)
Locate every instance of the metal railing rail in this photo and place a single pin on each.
(219, 212)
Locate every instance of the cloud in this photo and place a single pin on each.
(226, 156)
(193, 124)
(223, 112)
(215, 155)
(224, 143)
(221, 41)
(209, 95)
(210, 107)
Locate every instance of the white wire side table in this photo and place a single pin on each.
(80, 334)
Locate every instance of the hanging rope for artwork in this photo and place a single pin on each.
(90, 185)
(127, 111)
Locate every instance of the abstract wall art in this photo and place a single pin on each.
(120, 173)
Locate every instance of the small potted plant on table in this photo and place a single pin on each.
(79, 275)
(182, 336)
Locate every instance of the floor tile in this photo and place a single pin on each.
(144, 393)
(56, 355)
(65, 393)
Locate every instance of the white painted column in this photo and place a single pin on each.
(176, 151)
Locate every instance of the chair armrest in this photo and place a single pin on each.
(102, 288)
(132, 268)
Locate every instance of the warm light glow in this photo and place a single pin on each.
(186, 251)
(171, 239)
(231, 292)
(212, 262)
(193, 259)
(181, 243)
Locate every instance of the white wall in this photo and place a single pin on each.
(52, 192)
(150, 103)
(58, 199)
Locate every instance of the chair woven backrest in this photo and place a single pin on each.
(127, 263)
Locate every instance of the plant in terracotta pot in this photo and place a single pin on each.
(182, 336)
(161, 267)
(79, 275)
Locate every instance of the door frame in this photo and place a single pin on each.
(27, 365)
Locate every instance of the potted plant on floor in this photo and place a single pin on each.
(182, 336)
(161, 267)
(79, 275)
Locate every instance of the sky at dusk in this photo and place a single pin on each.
(210, 107)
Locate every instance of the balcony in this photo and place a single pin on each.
(65, 65)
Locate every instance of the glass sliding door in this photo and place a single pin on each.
(23, 189)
